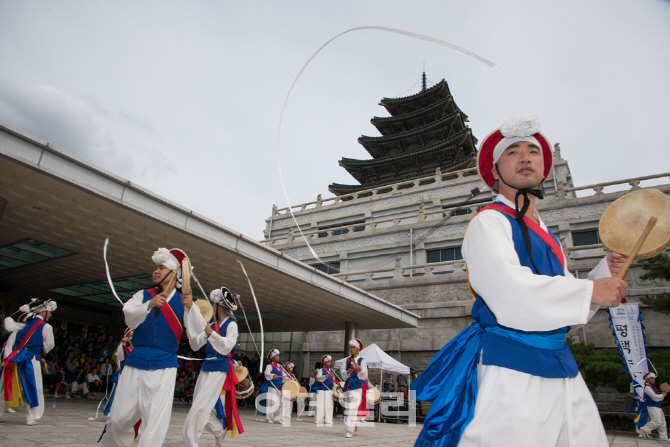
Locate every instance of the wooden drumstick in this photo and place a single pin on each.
(185, 278)
(638, 245)
(168, 291)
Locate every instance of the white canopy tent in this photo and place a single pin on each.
(376, 358)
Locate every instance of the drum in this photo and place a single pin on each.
(624, 220)
(374, 396)
(665, 387)
(302, 394)
(245, 388)
(241, 372)
(290, 389)
(338, 392)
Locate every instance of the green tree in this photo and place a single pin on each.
(657, 267)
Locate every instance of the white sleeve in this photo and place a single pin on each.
(9, 344)
(343, 370)
(602, 270)
(517, 297)
(363, 372)
(268, 372)
(224, 344)
(48, 338)
(195, 327)
(654, 396)
(135, 311)
(320, 376)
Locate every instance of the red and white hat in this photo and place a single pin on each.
(128, 333)
(171, 259)
(272, 353)
(513, 130)
(649, 376)
(326, 358)
(357, 343)
(289, 365)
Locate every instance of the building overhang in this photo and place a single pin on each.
(62, 200)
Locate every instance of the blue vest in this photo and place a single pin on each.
(651, 402)
(219, 362)
(353, 382)
(154, 344)
(279, 380)
(36, 341)
(317, 386)
(548, 356)
(329, 382)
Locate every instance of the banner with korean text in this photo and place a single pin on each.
(627, 327)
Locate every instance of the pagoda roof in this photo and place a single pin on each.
(341, 189)
(443, 154)
(385, 124)
(456, 137)
(371, 144)
(398, 105)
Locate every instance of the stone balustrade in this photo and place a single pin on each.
(422, 215)
(320, 203)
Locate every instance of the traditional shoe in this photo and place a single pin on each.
(219, 437)
(11, 410)
(270, 422)
(349, 435)
(31, 422)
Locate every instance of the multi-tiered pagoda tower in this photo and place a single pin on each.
(425, 131)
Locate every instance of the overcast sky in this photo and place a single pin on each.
(190, 93)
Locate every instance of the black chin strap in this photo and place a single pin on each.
(520, 213)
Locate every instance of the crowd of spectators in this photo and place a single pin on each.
(79, 365)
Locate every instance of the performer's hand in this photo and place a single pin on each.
(350, 371)
(187, 299)
(275, 376)
(208, 330)
(158, 300)
(615, 262)
(607, 292)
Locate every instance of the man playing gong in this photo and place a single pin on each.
(510, 379)
(146, 388)
(355, 369)
(217, 373)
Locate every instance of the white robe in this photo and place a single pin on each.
(514, 408)
(207, 390)
(353, 397)
(142, 394)
(657, 416)
(274, 405)
(324, 402)
(35, 413)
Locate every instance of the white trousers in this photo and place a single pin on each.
(32, 414)
(202, 414)
(74, 387)
(274, 405)
(351, 403)
(141, 394)
(522, 410)
(288, 410)
(324, 407)
(657, 422)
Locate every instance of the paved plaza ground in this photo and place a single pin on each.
(68, 425)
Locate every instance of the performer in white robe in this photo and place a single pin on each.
(528, 388)
(41, 340)
(274, 374)
(654, 400)
(288, 404)
(221, 339)
(355, 369)
(324, 396)
(146, 387)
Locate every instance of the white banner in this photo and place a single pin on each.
(627, 328)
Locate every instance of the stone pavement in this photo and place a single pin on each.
(68, 425)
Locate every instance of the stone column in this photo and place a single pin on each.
(350, 332)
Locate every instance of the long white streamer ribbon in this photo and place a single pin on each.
(360, 28)
(109, 277)
(260, 320)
